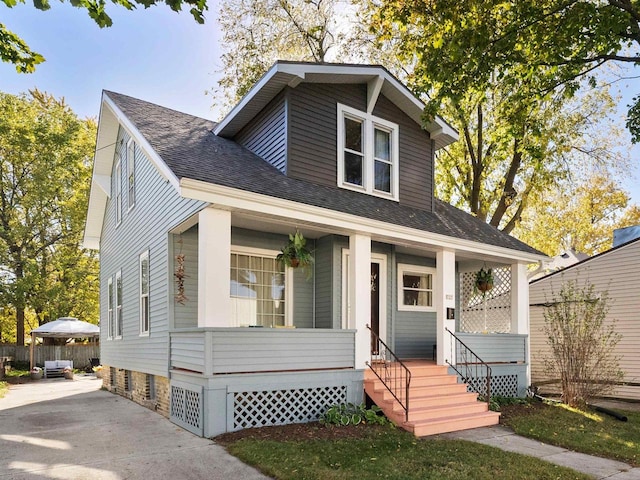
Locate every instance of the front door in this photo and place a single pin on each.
(375, 306)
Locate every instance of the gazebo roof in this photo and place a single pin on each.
(67, 327)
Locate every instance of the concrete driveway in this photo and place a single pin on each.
(63, 429)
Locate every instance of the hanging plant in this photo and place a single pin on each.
(295, 253)
(484, 281)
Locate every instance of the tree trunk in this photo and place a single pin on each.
(20, 326)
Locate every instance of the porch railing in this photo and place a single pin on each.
(472, 369)
(393, 374)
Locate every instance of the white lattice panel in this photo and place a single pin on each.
(186, 407)
(491, 313)
(281, 407)
(501, 385)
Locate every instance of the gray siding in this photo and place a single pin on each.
(266, 134)
(416, 160)
(414, 332)
(186, 243)
(312, 129)
(243, 350)
(324, 282)
(617, 272)
(157, 210)
(313, 143)
(497, 348)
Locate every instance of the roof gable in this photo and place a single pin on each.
(377, 78)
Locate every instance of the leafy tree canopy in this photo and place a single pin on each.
(45, 171)
(462, 46)
(14, 50)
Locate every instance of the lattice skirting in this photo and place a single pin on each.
(501, 385)
(281, 407)
(187, 407)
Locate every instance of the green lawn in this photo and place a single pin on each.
(4, 388)
(389, 453)
(588, 432)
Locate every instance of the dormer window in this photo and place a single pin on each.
(367, 153)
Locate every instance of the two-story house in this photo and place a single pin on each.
(200, 321)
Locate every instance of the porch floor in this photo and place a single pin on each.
(437, 402)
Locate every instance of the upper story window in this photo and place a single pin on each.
(367, 153)
(416, 288)
(131, 167)
(144, 293)
(118, 185)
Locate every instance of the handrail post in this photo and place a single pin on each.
(392, 380)
(477, 362)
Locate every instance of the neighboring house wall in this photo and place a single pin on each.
(266, 134)
(158, 208)
(616, 271)
(313, 141)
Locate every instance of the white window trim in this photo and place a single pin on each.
(288, 277)
(144, 255)
(368, 146)
(118, 195)
(118, 309)
(419, 270)
(131, 170)
(110, 325)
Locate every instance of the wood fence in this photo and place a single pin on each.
(80, 354)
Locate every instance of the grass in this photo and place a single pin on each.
(4, 388)
(389, 453)
(583, 431)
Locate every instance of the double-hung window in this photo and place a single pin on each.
(257, 289)
(110, 324)
(416, 288)
(131, 168)
(367, 153)
(118, 187)
(118, 304)
(144, 293)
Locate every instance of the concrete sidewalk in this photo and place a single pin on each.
(63, 429)
(504, 438)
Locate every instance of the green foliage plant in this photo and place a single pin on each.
(484, 281)
(295, 253)
(582, 344)
(351, 414)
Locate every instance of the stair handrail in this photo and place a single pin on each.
(478, 363)
(397, 384)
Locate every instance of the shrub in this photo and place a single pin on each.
(582, 346)
(351, 414)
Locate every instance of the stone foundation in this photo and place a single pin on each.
(150, 391)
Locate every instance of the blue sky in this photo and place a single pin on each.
(154, 54)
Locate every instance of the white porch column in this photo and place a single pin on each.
(519, 299)
(360, 295)
(445, 297)
(214, 264)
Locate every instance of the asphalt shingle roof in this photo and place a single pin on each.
(190, 149)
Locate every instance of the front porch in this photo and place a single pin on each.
(269, 345)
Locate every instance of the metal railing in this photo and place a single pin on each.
(471, 368)
(393, 374)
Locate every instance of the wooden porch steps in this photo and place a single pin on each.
(437, 402)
